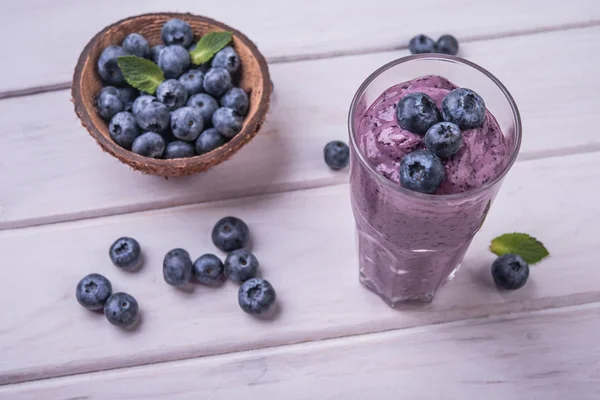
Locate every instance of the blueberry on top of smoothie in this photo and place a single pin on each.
(464, 107)
(417, 112)
(421, 171)
(443, 139)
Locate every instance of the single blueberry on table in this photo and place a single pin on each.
(209, 270)
(107, 65)
(421, 171)
(227, 122)
(177, 267)
(153, 116)
(421, 44)
(337, 155)
(140, 102)
(177, 31)
(155, 52)
(126, 253)
(464, 108)
(209, 140)
(443, 139)
(236, 99)
(510, 271)
(121, 309)
(447, 44)
(256, 296)
(172, 94)
(217, 81)
(179, 149)
(174, 60)
(230, 233)
(149, 144)
(417, 112)
(227, 58)
(187, 123)
(137, 45)
(127, 95)
(123, 129)
(241, 265)
(93, 291)
(207, 105)
(108, 102)
(193, 81)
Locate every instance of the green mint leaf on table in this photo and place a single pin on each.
(208, 46)
(528, 247)
(140, 73)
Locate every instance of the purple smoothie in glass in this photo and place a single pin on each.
(410, 243)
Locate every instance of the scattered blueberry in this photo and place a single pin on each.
(177, 267)
(209, 140)
(179, 149)
(108, 102)
(172, 94)
(149, 144)
(510, 271)
(187, 123)
(337, 155)
(236, 99)
(256, 296)
(209, 270)
(121, 309)
(176, 31)
(227, 122)
(217, 81)
(126, 254)
(464, 107)
(241, 265)
(417, 112)
(123, 129)
(136, 44)
(140, 102)
(154, 116)
(192, 81)
(93, 291)
(443, 139)
(174, 60)
(127, 95)
(227, 58)
(230, 233)
(207, 105)
(421, 171)
(155, 52)
(421, 44)
(447, 44)
(107, 65)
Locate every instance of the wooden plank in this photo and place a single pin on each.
(281, 30)
(57, 172)
(540, 355)
(305, 242)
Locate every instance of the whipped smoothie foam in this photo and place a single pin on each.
(410, 243)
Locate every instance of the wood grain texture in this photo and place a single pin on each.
(305, 243)
(280, 30)
(541, 355)
(62, 175)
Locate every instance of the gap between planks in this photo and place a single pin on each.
(343, 53)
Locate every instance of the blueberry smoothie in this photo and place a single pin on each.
(426, 161)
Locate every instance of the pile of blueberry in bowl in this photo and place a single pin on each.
(171, 94)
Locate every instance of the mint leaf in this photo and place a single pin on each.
(140, 73)
(208, 46)
(528, 247)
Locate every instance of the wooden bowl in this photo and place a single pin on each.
(254, 78)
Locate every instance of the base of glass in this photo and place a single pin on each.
(394, 302)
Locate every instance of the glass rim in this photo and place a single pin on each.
(447, 58)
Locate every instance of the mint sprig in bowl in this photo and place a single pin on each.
(252, 77)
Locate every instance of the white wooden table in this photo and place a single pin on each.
(62, 202)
